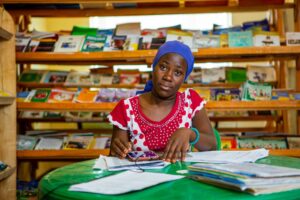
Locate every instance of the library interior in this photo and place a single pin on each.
(137, 99)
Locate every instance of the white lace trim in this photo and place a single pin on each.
(120, 126)
(199, 107)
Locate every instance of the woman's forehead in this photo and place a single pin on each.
(173, 57)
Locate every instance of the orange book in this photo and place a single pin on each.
(86, 96)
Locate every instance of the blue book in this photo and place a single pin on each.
(240, 39)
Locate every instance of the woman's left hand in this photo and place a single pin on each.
(178, 145)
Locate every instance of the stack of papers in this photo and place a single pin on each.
(249, 177)
(227, 156)
(116, 164)
(124, 182)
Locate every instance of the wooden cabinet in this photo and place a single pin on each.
(146, 56)
(7, 105)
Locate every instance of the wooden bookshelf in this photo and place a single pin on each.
(8, 124)
(147, 56)
(4, 100)
(210, 106)
(45, 155)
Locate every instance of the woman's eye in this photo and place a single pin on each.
(178, 73)
(163, 67)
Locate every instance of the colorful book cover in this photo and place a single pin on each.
(31, 76)
(86, 96)
(210, 75)
(93, 43)
(149, 34)
(261, 73)
(293, 39)
(293, 142)
(229, 94)
(267, 143)
(236, 75)
(181, 36)
(25, 142)
(61, 96)
(41, 95)
(228, 142)
(256, 91)
(55, 77)
(264, 38)
(46, 45)
(78, 142)
(206, 41)
(49, 143)
(69, 43)
(280, 95)
(106, 95)
(32, 114)
(240, 39)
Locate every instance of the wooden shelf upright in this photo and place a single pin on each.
(7, 104)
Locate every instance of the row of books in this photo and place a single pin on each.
(249, 92)
(135, 77)
(267, 142)
(70, 96)
(129, 36)
(72, 141)
(69, 78)
(66, 116)
(89, 141)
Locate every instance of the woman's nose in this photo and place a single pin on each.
(168, 75)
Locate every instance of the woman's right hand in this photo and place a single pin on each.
(120, 145)
(120, 148)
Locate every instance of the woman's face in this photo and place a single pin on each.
(168, 75)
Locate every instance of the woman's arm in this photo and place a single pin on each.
(120, 144)
(207, 139)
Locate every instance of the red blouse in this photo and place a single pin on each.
(146, 134)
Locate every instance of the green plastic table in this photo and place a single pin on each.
(55, 185)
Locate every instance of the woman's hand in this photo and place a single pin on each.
(120, 145)
(178, 145)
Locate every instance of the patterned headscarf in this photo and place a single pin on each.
(172, 47)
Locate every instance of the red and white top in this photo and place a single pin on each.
(146, 134)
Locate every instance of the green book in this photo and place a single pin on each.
(93, 43)
(31, 76)
(78, 30)
(41, 95)
(236, 75)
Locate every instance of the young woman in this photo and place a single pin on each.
(161, 118)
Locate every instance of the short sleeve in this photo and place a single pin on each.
(118, 116)
(197, 101)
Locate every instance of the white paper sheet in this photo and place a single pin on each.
(116, 164)
(124, 182)
(227, 156)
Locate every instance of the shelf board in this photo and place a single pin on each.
(7, 172)
(60, 154)
(90, 154)
(147, 56)
(6, 100)
(90, 12)
(210, 106)
(4, 34)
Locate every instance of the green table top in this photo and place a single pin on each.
(55, 185)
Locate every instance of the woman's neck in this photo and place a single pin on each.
(158, 100)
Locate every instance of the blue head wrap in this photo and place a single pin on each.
(172, 47)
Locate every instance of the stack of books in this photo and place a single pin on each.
(253, 178)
